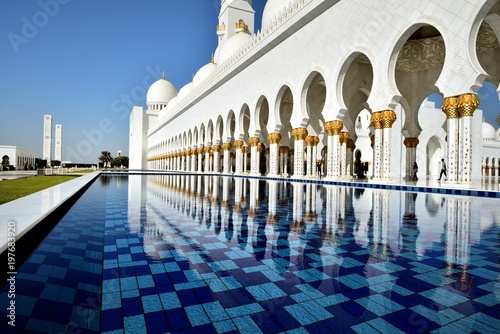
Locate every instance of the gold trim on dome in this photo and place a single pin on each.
(254, 141)
(450, 108)
(333, 127)
(467, 104)
(299, 133)
(274, 138)
(226, 146)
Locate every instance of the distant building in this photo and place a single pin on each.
(47, 138)
(17, 156)
(58, 147)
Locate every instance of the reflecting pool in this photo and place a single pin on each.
(202, 254)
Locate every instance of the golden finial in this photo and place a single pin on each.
(163, 75)
(213, 60)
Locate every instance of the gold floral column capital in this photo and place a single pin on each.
(388, 118)
(274, 138)
(238, 144)
(344, 137)
(299, 133)
(350, 144)
(244, 149)
(467, 104)
(333, 127)
(450, 107)
(377, 120)
(254, 141)
(215, 148)
(207, 149)
(411, 142)
(200, 150)
(284, 149)
(226, 146)
(312, 140)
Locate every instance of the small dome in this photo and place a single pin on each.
(185, 91)
(488, 131)
(230, 46)
(203, 73)
(272, 9)
(170, 105)
(161, 92)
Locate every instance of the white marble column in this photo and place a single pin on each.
(388, 118)
(238, 144)
(216, 151)
(333, 130)
(200, 159)
(298, 134)
(467, 104)
(226, 147)
(343, 138)
(450, 108)
(244, 151)
(254, 156)
(274, 142)
(207, 149)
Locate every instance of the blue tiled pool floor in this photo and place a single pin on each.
(126, 260)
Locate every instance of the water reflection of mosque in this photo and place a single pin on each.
(311, 225)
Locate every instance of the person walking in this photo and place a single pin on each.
(415, 170)
(443, 170)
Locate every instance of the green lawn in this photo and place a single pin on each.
(14, 189)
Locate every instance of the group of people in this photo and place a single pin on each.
(443, 171)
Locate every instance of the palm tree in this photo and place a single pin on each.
(105, 158)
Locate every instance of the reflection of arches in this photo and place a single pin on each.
(434, 153)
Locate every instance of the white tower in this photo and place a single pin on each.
(231, 12)
(47, 138)
(58, 147)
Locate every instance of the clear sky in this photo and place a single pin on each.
(88, 62)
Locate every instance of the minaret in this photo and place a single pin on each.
(58, 145)
(47, 138)
(231, 12)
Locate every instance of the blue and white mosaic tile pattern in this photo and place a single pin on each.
(206, 254)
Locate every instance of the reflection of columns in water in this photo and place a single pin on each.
(458, 238)
(206, 187)
(298, 208)
(225, 190)
(215, 188)
(254, 193)
(380, 224)
(330, 233)
(272, 197)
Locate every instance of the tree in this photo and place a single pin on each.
(121, 161)
(105, 158)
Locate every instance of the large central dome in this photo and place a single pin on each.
(272, 9)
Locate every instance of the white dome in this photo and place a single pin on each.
(185, 91)
(160, 92)
(203, 73)
(230, 46)
(170, 105)
(488, 131)
(272, 9)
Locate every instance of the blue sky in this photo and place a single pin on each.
(87, 62)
